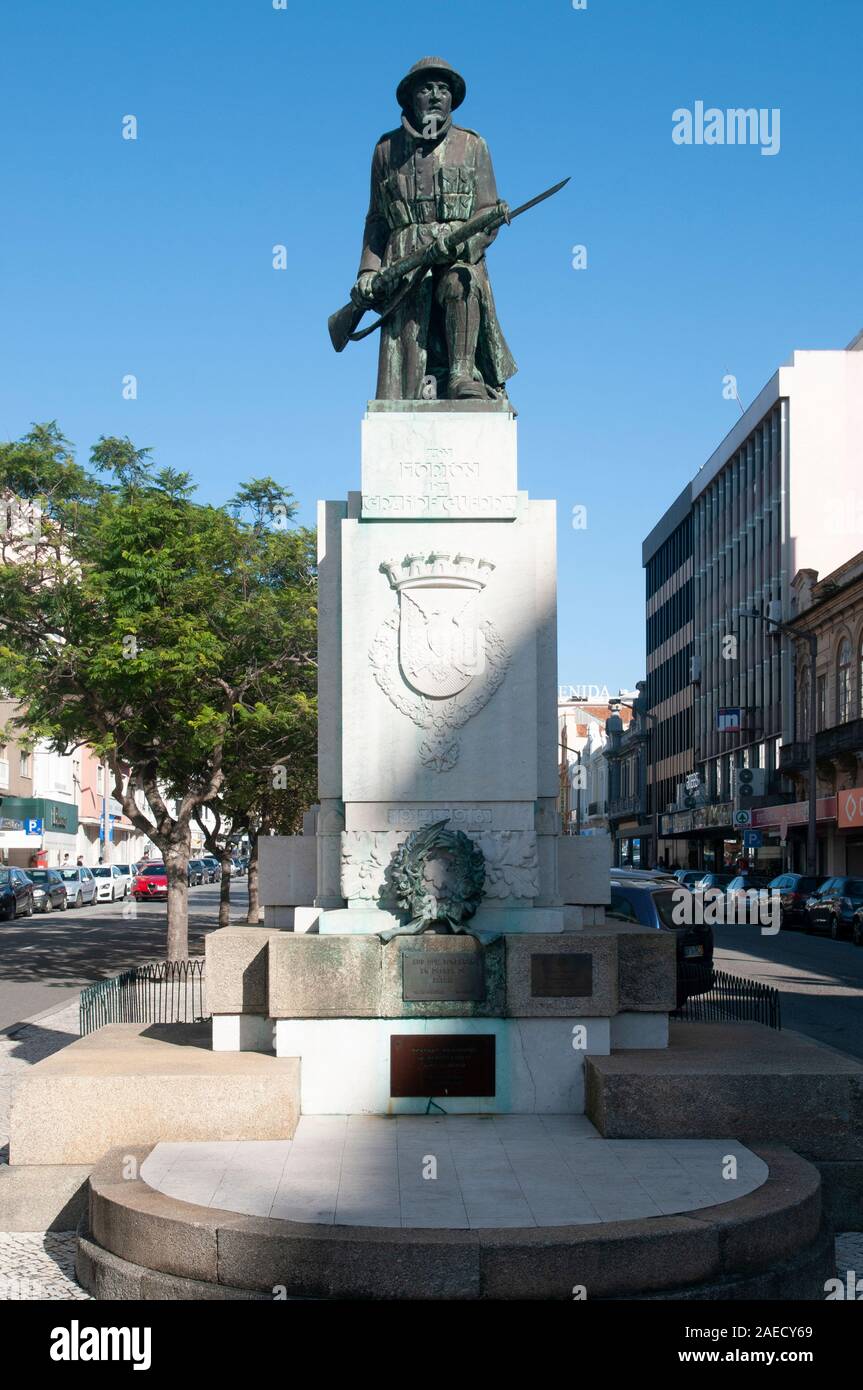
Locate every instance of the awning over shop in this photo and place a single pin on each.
(713, 818)
(780, 818)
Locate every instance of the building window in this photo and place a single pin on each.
(803, 706)
(821, 712)
(24, 765)
(843, 683)
(4, 767)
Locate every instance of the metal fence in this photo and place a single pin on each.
(170, 991)
(723, 998)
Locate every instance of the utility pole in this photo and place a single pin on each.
(105, 818)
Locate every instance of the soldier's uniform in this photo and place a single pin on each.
(447, 327)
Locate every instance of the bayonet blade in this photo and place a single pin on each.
(540, 198)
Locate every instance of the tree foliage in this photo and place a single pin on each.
(176, 638)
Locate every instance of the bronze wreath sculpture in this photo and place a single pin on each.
(417, 897)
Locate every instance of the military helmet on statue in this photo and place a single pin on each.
(426, 67)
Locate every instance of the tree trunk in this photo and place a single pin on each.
(225, 888)
(177, 866)
(254, 912)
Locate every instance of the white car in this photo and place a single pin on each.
(111, 883)
(128, 871)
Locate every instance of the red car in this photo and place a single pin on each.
(151, 882)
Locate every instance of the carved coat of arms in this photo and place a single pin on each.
(437, 659)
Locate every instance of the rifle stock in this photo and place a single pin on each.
(342, 324)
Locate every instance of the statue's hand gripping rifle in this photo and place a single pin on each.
(344, 322)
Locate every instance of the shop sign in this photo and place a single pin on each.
(849, 809)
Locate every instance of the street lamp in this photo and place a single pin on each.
(812, 639)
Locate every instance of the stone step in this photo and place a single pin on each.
(770, 1243)
(757, 1084)
(134, 1083)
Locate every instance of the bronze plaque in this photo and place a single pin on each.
(450, 975)
(562, 975)
(442, 1064)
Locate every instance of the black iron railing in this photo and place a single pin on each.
(163, 992)
(712, 996)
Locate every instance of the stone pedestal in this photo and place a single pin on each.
(545, 1000)
(438, 703)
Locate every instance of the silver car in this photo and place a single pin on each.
(80, 885)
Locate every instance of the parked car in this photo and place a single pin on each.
(794, 890)
(49, 890)
(197, 872)
(110, 883)
(834, 906)
(650, 875)
(713, 879)
(688, 877)
(16, 894)
(742, 883)
(80, 885)
(214, 868)
(857, 927)
(239, 867)
(128, 871)
(151, 882)
(653, 905)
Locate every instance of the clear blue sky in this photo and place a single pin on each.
(256, 126)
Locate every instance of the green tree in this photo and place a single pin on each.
(150, 626)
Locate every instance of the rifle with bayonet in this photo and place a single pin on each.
(343, 324)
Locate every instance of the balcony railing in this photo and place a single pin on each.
(829, 743)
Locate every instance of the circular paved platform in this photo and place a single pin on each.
(139, 1243)
(455, 1173)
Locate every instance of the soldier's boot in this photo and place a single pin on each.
(460, 299)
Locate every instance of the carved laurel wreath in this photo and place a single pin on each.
(416, 896)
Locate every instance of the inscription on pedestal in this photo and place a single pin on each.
(440, 503)
(442, 1064)
(456, 976)
(561, 975)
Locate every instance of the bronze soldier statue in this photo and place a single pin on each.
(428, 178)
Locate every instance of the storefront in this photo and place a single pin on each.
(703, 838)
(849, 827)
(785, 831)
(48, 831)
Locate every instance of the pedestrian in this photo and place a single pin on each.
(80, 860)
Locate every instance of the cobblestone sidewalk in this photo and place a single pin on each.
(35, 1265)
(39, 1266)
